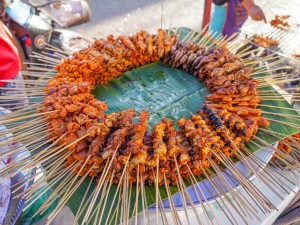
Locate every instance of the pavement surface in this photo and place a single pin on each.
(111, 16)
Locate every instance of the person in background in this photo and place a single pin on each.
(9, 66)
(228, 16)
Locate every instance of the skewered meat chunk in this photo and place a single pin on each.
(280, 22)
(114, 142)
(139, 130)
(158, 134)
(265, 42)
(229, 116)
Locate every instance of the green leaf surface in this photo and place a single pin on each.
(172, 93)
(158, 88)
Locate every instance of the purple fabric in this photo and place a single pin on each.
(236, 15)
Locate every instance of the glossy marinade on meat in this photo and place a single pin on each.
(229, 117)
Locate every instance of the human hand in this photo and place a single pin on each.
(256, 13)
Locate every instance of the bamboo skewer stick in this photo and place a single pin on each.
(38, 64)
(83, 200)
(97, 210)
(16, 130)
(279, 181)
(121, 220)
(45, 76)
(42, 156)
(226, 212)
(267, 84)
(188, 36)
(23, 89)
(270, 173)
(144, 200)
(68, 196)
(289, 95)
(25, 82)
(37, 191)
(127, 202)
(265, 59)
(259, 72)
(68, 193)
(277, 99)
(81, 210)
(234, 46)
(59, 161)
(45, 57)
(246, 52)
(22, 152)
(220, 189)
(100, 183)
(161, 206)
(116, 212)
(156, 189)
(19, 125)
(182, 189)
(162, 210)
(104, 194)
(273, 134)
(20, 114)
(25, 177)
(44, 169)
(263, 201)
(267, 77)
(271, 149)
(173, 209)
(277, 151)
(279, 107)
(57, 50)
(239, 205)
(269, 183)
(197, 188)
(284, 123)
(24, 136)
(66, 175)
(241, 157)
(238, 198)
(179, 183)
(27, 117)
(8, 138)
(31, 107)
(230, 39)
(17, 150)
(57, 152)
(135, 209)
(296, 117)
(118, 187)
(17, 96)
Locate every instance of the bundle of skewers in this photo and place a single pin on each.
(281, 22)
(281, 39)
(278, 36)
(71, 136)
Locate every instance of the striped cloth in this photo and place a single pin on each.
(291, 214)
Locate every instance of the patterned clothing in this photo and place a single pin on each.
(12, 88)
(228, 18)
(9, 57)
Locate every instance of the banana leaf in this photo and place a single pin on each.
(165, 92)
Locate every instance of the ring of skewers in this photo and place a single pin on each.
(228, 118)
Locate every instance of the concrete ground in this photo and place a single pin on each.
(109, 16)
